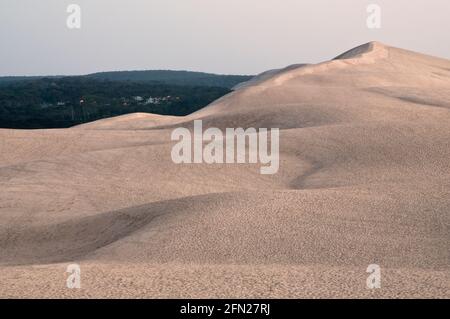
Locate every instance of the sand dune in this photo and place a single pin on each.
(364, 178)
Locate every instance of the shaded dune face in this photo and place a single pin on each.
(364, 178)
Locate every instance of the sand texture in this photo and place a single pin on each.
(364, 179)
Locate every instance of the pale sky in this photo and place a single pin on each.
(219, 36)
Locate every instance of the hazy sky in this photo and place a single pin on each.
(221, 36)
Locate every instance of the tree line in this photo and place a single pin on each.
(68, 101)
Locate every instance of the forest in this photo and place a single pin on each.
(60, 102)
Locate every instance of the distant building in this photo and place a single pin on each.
(46, 105)
(152, 100)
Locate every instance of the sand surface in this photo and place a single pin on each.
(364, 179)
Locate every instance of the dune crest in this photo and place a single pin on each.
(129, 121)
(365, 54)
